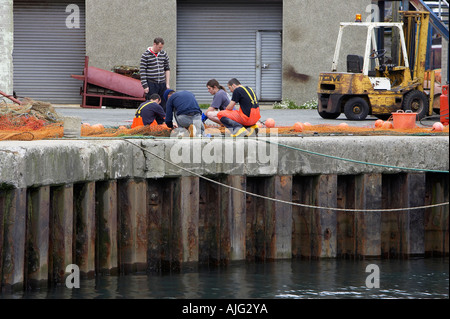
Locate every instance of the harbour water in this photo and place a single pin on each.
(415, 278)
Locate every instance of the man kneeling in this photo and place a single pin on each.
(149, 112)
(241, 122)
(184, 108)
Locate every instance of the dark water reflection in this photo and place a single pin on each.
(413, 278)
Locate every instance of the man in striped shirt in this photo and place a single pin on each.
(155, 70)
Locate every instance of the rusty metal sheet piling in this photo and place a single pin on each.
(368, 190)
(106, 241)
(237, 217)
(85, 231)
(324, 232)
(345, 237)
(38, 220)
(132, 216)
(302, 193)
(416, 218)
(185, 220)
(61, 234)
(436, 219)
(13, 213)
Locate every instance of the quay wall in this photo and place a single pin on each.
(116, 206)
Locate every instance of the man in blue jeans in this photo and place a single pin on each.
(184, 107)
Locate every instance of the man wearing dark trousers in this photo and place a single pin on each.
(155, 70)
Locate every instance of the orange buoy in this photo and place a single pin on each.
(387, 125)
(343, 125)
(298, 127)
(270, 122)
(379, 123)
(438, 127)
(307, 125)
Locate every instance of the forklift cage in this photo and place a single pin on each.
(371, 40)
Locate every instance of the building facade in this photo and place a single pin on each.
(278, 47)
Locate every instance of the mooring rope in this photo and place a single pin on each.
(280, 200)
(358, 162)
(300, 150)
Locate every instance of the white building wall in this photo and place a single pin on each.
(6, 46)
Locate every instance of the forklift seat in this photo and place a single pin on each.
(354, 63)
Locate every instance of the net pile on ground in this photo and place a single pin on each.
(33, 120)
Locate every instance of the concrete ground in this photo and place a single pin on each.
(110, 117)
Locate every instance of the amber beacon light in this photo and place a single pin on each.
(358, 18)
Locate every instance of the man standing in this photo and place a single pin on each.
(184, 107)
(155, 70)
(241, 122)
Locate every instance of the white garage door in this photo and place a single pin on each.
(49, 46)
(227, 39)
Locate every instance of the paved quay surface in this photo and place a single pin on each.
(114, 117)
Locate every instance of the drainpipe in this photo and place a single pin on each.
(6, 46)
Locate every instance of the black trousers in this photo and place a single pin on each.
(158, 88)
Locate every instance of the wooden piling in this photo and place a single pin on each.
(368, 188)
(132, 216)
(402, 232)
(209, 228)
(282, 218)
(416, 218)
(237, 217)
(106, 240)
(61, 232)
(185, 219)
(269, 223)
(13, 208)
(222, 221)
(256, 247)
(302, 193)
(160, 193)
(393, 237)
(85, 229)
(436, 218)
(324, 221)
(38, 234)
(346, 237)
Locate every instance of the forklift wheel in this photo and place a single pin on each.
(417, 102)
(329, 116)
(356, 109)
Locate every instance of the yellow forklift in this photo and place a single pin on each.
(375, 84)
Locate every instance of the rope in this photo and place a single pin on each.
(359, 162)
(313, 153)
(279, 200)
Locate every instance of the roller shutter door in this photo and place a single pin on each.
(49, 46)
(219, 40)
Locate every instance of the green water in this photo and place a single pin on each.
(317, 279)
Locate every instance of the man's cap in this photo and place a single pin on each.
(166, 94)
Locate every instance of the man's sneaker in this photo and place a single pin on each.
(192, 130)
(252, 130)
(241, 132)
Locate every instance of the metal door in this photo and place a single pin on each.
(268, 65)
(49, 46)
(216, 39)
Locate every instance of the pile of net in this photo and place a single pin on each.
(19, 122)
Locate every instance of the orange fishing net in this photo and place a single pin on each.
(38, 120)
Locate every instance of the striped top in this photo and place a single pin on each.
(153, 67)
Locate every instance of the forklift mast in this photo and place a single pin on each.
(416, 36)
